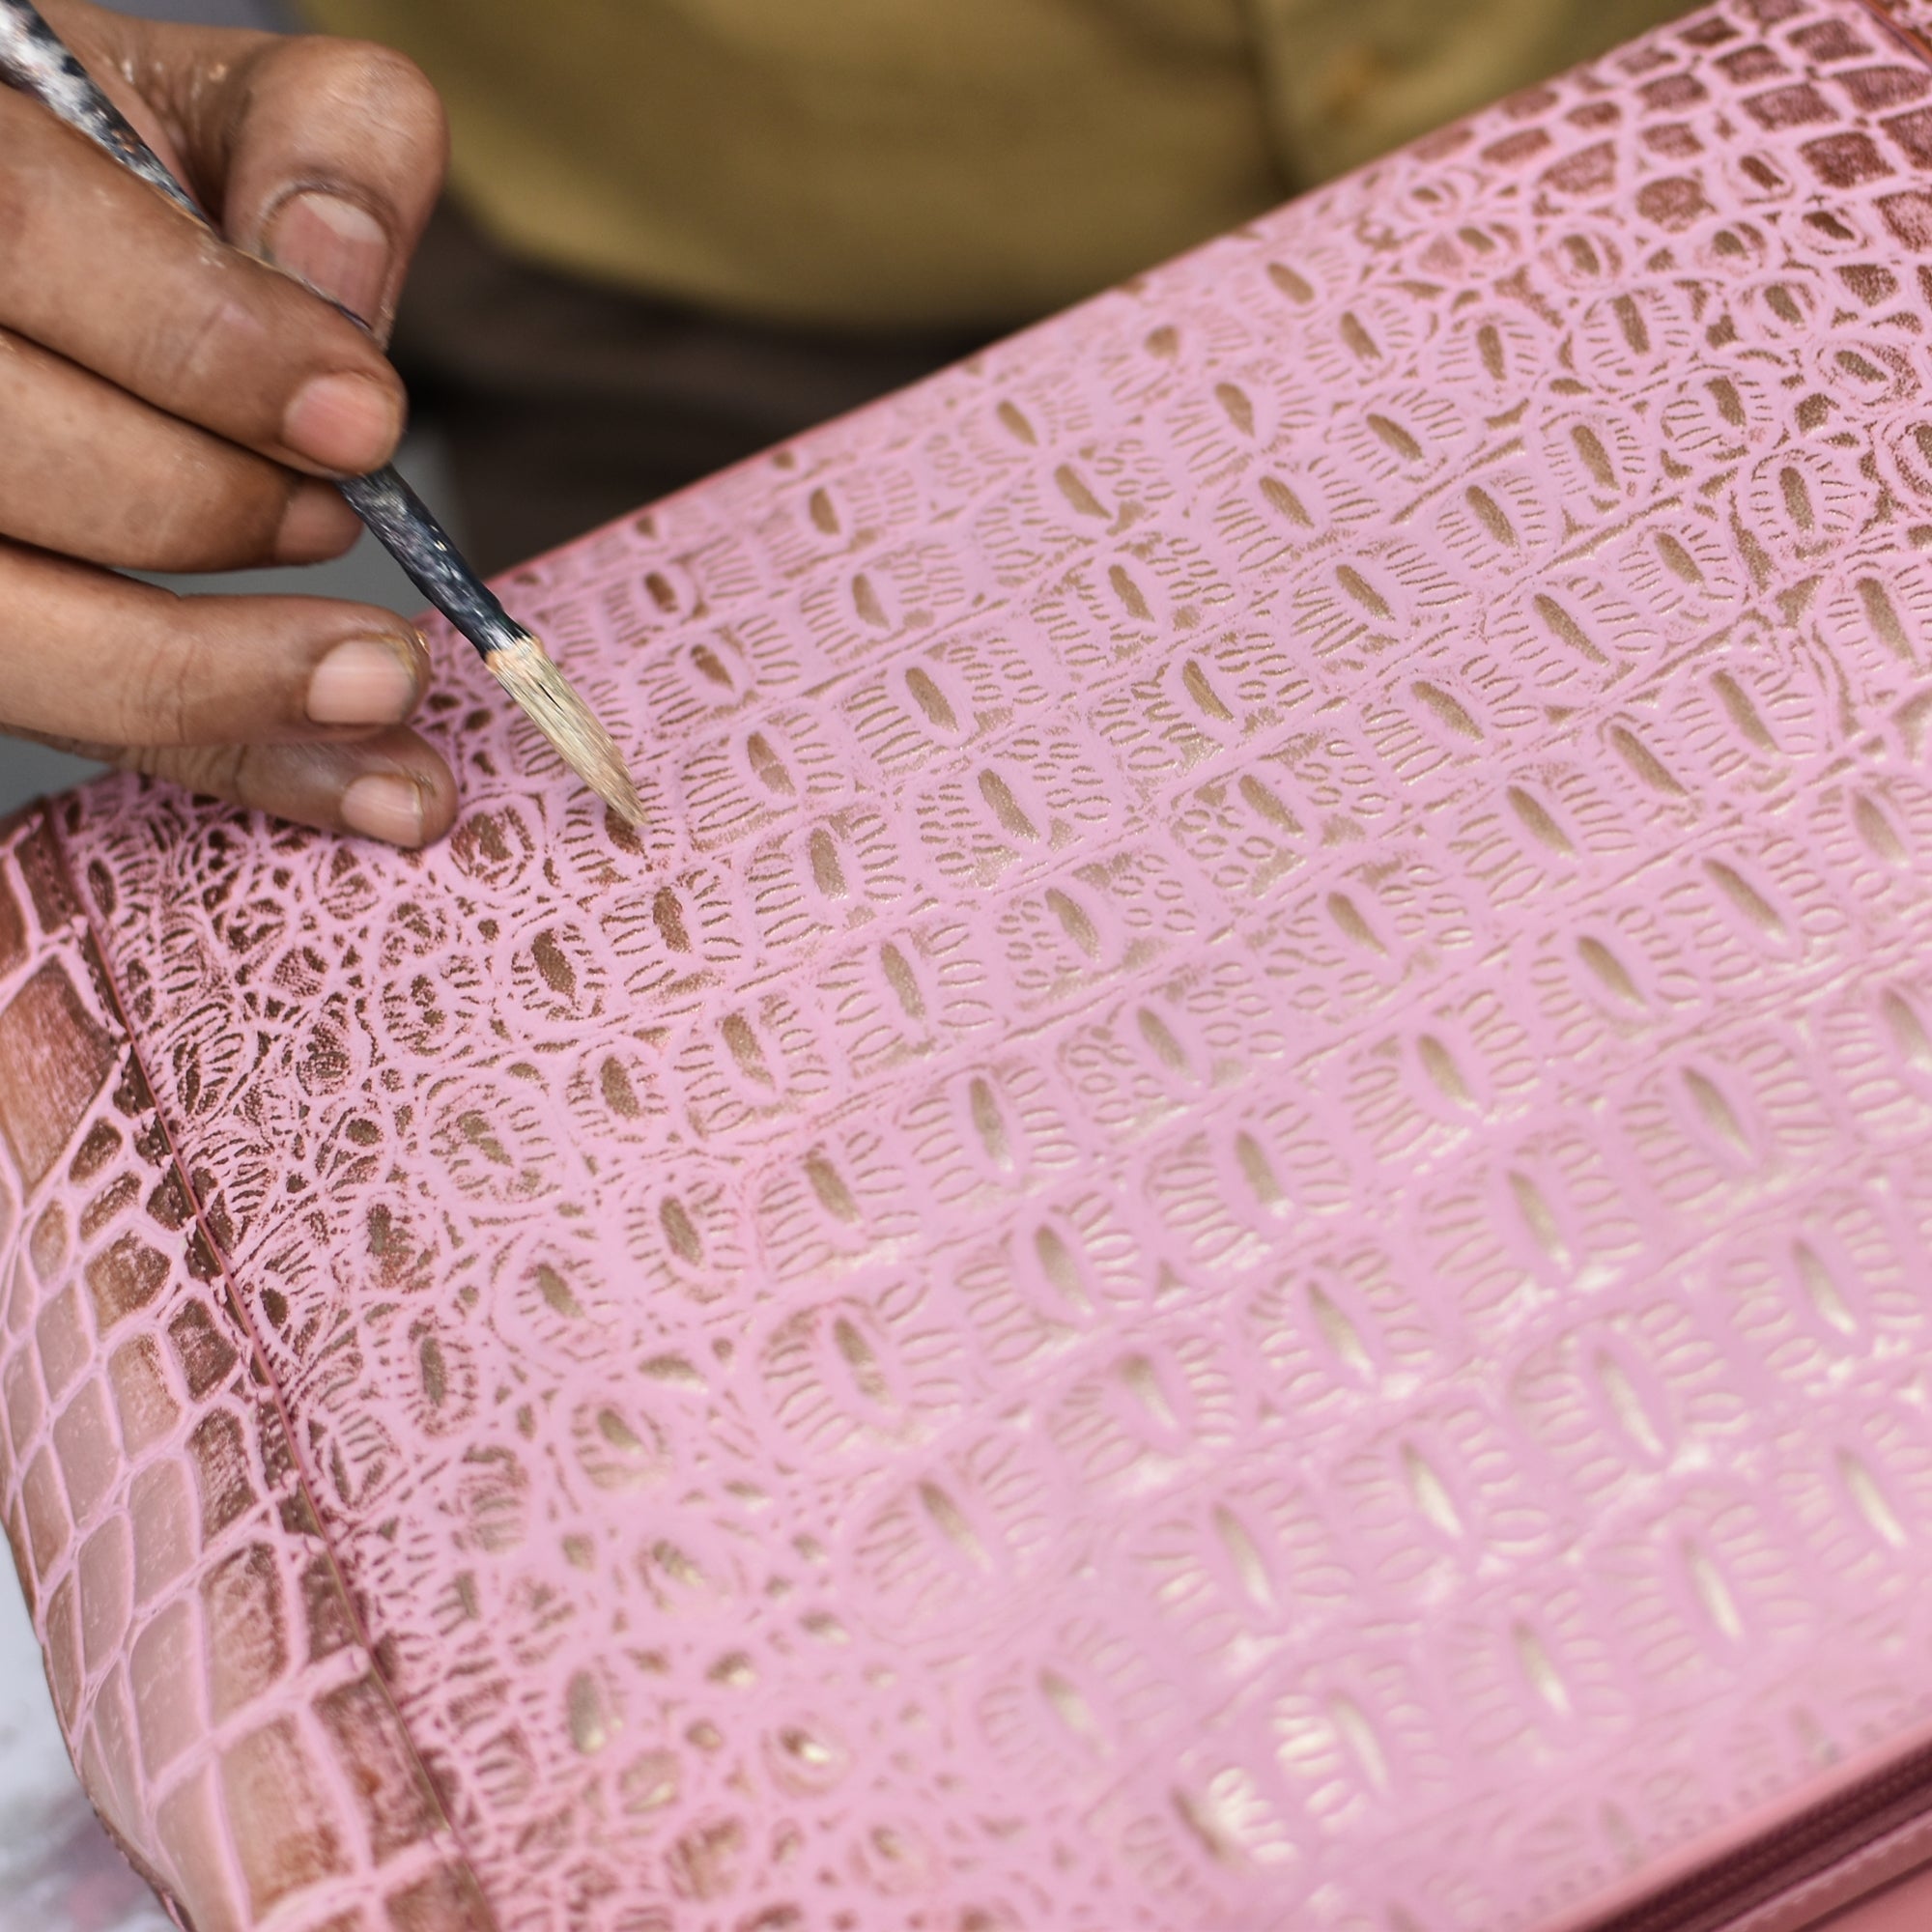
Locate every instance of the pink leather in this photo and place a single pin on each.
(1226, 1224)
(1905, 1907)
(228, 1719)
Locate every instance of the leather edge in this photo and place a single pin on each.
(61, 927)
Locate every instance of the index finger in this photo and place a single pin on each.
(99, 268)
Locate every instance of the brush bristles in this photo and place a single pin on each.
(547, 698)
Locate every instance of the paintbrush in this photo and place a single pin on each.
(34, 60)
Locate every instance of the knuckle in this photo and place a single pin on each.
(183, 356)
(222, 522)
(164, 700)
(238, 528)
(35, 159)
(216, 771)
(22, 194)
(235, 771)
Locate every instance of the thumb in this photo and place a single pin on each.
(324, 157)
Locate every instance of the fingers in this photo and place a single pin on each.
(157, 387)
(110, 662)
(392, 787)
(290, 705)
(324, 155)
(98, 268)
(94, 473)
(335, 156)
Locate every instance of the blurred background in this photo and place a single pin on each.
(59, 1872)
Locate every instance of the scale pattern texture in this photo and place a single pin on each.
(231, 1727)
(1225, 1225)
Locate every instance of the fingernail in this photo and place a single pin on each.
(339, 250)
(344, 423)
(380, 807)
(364, 681)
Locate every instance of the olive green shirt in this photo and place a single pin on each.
(905, 162)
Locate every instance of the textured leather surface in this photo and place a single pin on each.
(1226, 1224)
(229, 1724)
(1906, 1907)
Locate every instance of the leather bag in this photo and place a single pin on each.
(1226, 1224)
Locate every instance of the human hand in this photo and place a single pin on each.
(169, 403)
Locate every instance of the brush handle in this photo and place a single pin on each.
(400, 521)
(33, 59)
(36, 61)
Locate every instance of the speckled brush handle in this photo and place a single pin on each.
(402, 523)
(33, 59)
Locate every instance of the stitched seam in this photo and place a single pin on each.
(111, 991)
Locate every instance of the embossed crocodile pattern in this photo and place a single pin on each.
(230, 1725)
(1225, 1225)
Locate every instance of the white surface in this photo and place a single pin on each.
(58, 1870)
